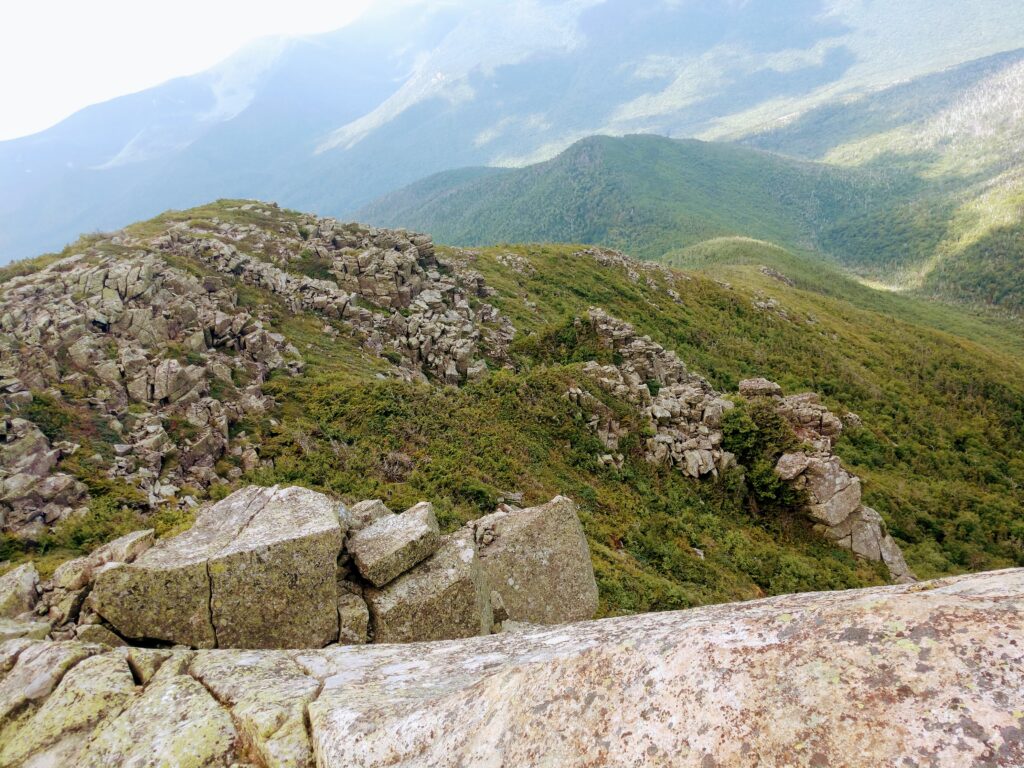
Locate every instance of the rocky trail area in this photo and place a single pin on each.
(147, 339)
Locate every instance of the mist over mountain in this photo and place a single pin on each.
(330, 122)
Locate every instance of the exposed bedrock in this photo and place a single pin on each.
(923, 674)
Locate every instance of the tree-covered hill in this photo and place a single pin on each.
(888, 222)
(646, 193)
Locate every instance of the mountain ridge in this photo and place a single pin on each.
(653, 196)
(241, 342)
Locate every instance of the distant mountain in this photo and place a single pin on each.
(329, 123)
(961, 131)
(654, 196)
(930, 218)
(647, 194)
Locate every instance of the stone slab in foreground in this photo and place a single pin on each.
(927, 674)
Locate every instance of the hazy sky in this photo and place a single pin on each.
(58, 56)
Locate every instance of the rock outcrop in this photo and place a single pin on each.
(683, 409)
(685, 415)
(147, 338)
(395, 543)
(255, 571)
(139, 345)
(928, 673)
(538, 562)
(281, 568)
(18, 591)
(832, 492)
(33, 495)
(446, 596)
(431, 315)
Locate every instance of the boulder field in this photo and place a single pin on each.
(927, 674)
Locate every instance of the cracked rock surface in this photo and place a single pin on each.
(256, 570)
(927, 674)
(279, 568)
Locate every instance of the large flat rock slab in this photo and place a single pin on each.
(96, 689)
(256, 570)
(267, 695)
(923, 674)
(928, 674)
(538, 560)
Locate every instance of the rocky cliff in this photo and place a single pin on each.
(924, 674)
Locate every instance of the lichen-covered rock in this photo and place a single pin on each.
(96, 689)
(353, 619)
(792, 465)
(175, 722)
(923, 674)
(124, 549)
(145, 662)
(38, 668)
(365, 513)
(267, 696)
(394, 544)
(11, 629)
(445, 596)
(893, 558)
(833, 492)
(18, 590)
(256, 570)
(538, 560)
(75, 574)
(97, 633)
(274, 585)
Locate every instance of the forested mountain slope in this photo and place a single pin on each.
(960, 131)
(888, 221)
(646, 193)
